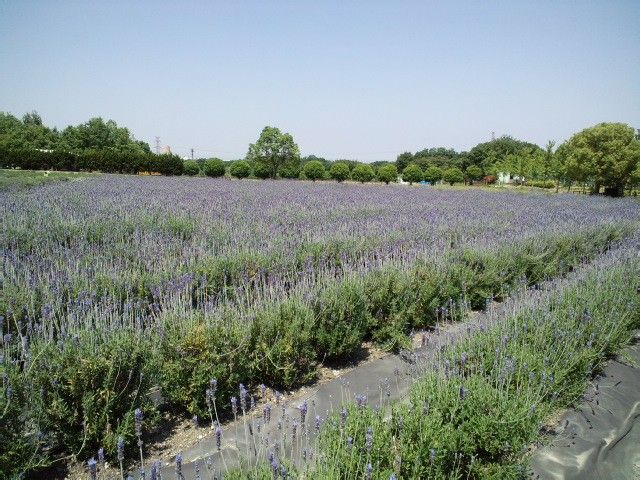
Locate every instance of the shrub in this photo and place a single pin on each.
(214, 167)
(341, 319)
(165, 164)
(291, 170)
(240, 169)
(433, 174)
(339, 171)
(388, 296)
(89, 407)
(314, 170)
(413, 173)
(282, 350)
(189, 361)
(260, 170)
(388, 173)
(453, 175)
(191, 168)
(362, 173)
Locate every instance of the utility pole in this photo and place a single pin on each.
(157, 145)
(493, 136)
(192, 154)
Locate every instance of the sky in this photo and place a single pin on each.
(358, 80)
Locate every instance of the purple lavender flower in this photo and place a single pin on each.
(464, 393)
(369, 439)
(303, 412)
(432, 455)
(120, 449)
(93, 468)
(343, 417)
(138, 422)
(213, 386)
(263, 390)
(234, 406)
(179, 466)
(369, 471)
(156, 471)
(243, 398)
(218, 437)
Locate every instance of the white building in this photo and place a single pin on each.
(506, 177)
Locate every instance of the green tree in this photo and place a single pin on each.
(214, 167)
(362, 173)
(433, 174)
(96, 134)
(487, 154)
(604, 155)
(28, 134)
(403, 160)
(314, 170)
(261, 170)
(274, 150)
(388, 173)
(473, 173)
(412, 173)
(556, 169)
(240, 169)
(453, 175)
(191, 168)
(339, 171)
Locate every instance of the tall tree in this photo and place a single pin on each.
(96, 134)
(274, 150)
(604, 155)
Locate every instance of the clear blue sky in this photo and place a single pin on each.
(364, 80)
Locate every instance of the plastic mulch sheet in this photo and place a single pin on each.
(599, 439)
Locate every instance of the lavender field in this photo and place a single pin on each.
(118, 285)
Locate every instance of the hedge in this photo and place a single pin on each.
(105, 161)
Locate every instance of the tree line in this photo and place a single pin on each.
(605, 157)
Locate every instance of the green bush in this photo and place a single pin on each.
(339, 171)
(88, 390)
(388, 173)
(282, 350)
(362, 173)
(240, 169)
(388, 294)
(314, 170)
(190, 360)
(191, 168)
(214, 167)
(433, 174)
(21, 445)
(261, 171)
(413, 173)
(291, 170)
(453, 175)
(341, 319)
